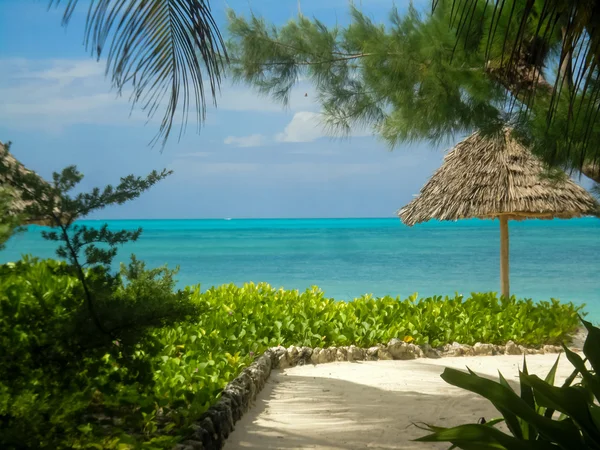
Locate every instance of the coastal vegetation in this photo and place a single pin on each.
(63, 385)
(539, 416)
(97, 359)
(92, 358)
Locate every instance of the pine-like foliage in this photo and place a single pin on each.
(419, 78)
(54, 204)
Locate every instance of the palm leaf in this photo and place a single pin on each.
(520, 34)
(162, 49)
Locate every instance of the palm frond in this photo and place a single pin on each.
(162, 49)
(519, 34)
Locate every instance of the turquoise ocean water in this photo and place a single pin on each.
(350, 257)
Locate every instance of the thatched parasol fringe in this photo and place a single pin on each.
(490, 177)
(485, 177)
(18, 204)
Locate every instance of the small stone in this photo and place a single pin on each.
(292, 351)
(468, 350)
(306, 352)
(341, 354)
(355, 353)
(512, 349)
(372, 351)
(552, 349)
(284, 361)
(326, 355)
(399, 349)
(454, 349)
(416, 351)
(499, 349)
(483, 349)
(384, 355)
(524, 350)
(314, 358)
(429, 351)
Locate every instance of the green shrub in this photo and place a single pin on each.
(61, 380)
(542, 416)
(151, 383)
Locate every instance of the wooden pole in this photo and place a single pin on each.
(504, 257)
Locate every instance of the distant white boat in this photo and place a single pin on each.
(227, 218)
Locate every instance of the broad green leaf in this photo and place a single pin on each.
(475, 436)
(563, 433)
(567, 400)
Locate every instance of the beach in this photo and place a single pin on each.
(372, 404)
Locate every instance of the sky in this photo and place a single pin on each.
(251, 159)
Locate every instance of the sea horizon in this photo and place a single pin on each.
(350, 257)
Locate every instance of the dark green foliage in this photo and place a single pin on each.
(60, 387)
(544, 416)
(55, 205)
(59, 383)
(523, 35)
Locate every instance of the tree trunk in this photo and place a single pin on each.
(504, 255)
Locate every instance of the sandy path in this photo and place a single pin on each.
(370, 404)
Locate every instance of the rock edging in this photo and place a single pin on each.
(215, 425)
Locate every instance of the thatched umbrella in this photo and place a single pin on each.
(496, 177)
(18, 204)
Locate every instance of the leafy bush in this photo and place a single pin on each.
(148, 386)
(543, 416)
(56, 371)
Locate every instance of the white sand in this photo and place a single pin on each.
(371, 404)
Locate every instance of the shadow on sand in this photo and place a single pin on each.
(298, 412)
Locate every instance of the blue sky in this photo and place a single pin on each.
(251, 159)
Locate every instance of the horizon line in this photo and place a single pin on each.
(249, 218)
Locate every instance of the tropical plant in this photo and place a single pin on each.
(82, 246)
(157, 48)
(432, 76)
(543, 416)
(57, 391)
(567, 27)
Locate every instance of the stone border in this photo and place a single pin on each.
(215, 425)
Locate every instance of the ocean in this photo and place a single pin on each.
(350, 257)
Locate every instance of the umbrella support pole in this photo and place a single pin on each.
(504, 257)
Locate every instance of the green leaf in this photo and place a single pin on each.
(476, 436)
(568, 400)
(591, 379)
(563, 433)
(591, 347)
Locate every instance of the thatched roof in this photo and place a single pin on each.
(486, 177)
(18, 204)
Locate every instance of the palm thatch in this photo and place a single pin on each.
(488, 177)
(20, 206)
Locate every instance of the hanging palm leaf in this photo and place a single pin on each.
(163, 49)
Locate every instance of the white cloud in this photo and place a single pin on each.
(54, 93)
(254, 140)
(307, 126)
(304, 127)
